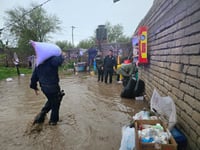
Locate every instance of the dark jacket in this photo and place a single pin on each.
(47, 75)
(110, 62)
(99, 61)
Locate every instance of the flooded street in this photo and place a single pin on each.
(92, 115)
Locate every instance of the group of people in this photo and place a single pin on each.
(106, 67)
(47, 76)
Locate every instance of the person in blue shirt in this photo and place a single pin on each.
(47, 76)
(109, 64)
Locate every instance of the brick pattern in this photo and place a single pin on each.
(174, 55)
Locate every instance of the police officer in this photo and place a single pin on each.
(109, 64)
(47, 76)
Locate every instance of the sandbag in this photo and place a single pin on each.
(44, 51)
(133, 89)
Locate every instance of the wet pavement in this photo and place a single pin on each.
(92, 115)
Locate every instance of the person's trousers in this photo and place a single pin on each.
(108, 73)
(100, 75)
(53, 104)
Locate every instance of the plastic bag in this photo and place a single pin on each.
(128, 138)
(142, 115)
(134, 88)
(165, 107)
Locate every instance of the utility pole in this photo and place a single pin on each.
(73, 27)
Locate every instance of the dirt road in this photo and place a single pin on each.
(92, 116)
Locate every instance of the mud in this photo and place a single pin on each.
(92, 115)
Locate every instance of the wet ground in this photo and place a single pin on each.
(92, 115)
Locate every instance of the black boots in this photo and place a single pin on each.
(40, 117)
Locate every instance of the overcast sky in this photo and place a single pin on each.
(86, 15)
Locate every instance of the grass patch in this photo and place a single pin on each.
(7, 72)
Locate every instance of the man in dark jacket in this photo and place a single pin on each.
(109, 64)
(47, 76)
(99, 64)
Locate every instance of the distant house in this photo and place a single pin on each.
(77, 55)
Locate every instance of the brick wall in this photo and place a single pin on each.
(174, 55)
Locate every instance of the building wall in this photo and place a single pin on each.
(174, 60)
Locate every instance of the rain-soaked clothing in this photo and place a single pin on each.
(47, 76)
(127, 71)
(109, 63)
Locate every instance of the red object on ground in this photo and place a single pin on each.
(127, 61)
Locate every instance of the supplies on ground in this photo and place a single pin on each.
(152, 135)
(152, 127)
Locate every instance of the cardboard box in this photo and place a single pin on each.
(152, 146)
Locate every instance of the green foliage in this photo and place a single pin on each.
(34, 25)
(86, 43)
(69, 65)
(115, 33)
(7, 72)
(2, 56)
(124, 39)
(64, 45)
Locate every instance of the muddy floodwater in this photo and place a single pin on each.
(92, 115)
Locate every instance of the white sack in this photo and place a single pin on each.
(44, 51)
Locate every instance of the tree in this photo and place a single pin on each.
(87, 43)
(30, 24)
(124, 39)
(64, 45)
(115, 33)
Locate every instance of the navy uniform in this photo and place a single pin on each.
(109, 64)
(47, 76)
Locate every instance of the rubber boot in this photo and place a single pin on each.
(40, 117)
